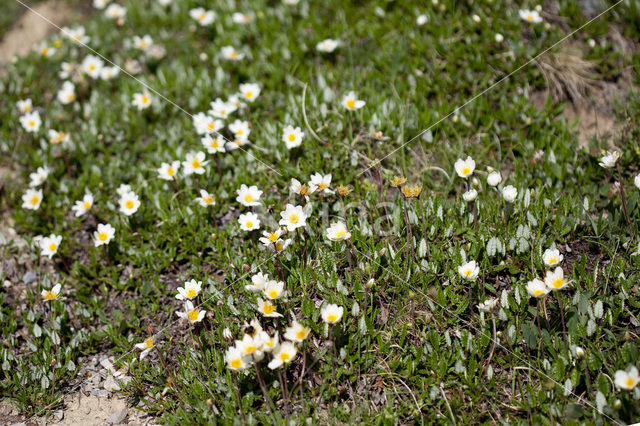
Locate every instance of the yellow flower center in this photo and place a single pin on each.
(86, 205)
(279, 245)
(236, 363)
(468, 272)
(466, 171)
(233, 54)
(31, 123)
(284, 356)
(53, 247)
(71, 97)
(202, 16)
(558, 283)
(248, 198)
(537, 292)
(102, 236)
(529, 17)
(301, 334)
(92, 67)
(332, 317)
(143, 44)
(210, 126)
(27, 108)
(191, 293)
(239, 132)
(250, 349)
(214, 143)
(45, 50)
(249, 224)
(322, 185)
(340, 234)
(49, 295)
(248, 95)
(553, 261)
(145, 99)
(195, 163)
(273, 237)
(351, 104)
(208, 200)
(193, 315)
(293, 218)
(129, 204)
(268, 308)
(630, 382)
(269, 343)
(34, 200)
(148, 342)
(273, 294)
(292, 137)
(170, 171)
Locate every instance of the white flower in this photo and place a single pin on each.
(230, 53)
(476, 18)
(292, 137)
(205, 199)
(222, 109)
(145, 347)
(536, 288)
(338, 231)
(190, 290)
(321, 183)
(627, 380)
(300, 189)
(76, 34)
(267, 309)
(204, 17)
(248, 195)
(67, 93)
(469, 271)
(92, 66)
(249, 221)
(609, 159)
(530, 16)
(57, 137)
(269, 343)
(293, 217)
(194, 163)
(100, 4)
(236, 143)
(227, 334)
(241, 18)
(39, 176)
(205, 124)
(258, 281)
(31, 199)
(54, 292)
(31, 121)
(636, 181)
(45, 50)
(191, 313)
(165, 2)
(115, 11)
(296, 332)
(129, 203)
(422, 19)
(470, 195)
(167, 171)
(268, 238)
(499, 38)
(24, 105)
(141, 101)
(235, 360)
(142, 43)
(249, 91)
(108, 73)
(555, 279)
(213, 144)
(82, 206)
(123, 189)
(331, 313)
(552, 257)
(351, 102)
(488, 305)
(494, 178)
(273, 290)
(465, 168)
(509, 193)
(285, 353)
(49, 245)
(280, 245)
(328, 45)
(103, 235)
(240, 129)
